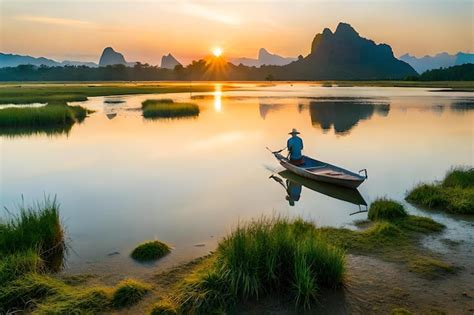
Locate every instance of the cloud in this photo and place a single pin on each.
(201, 11)
(55, 21)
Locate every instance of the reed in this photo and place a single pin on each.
(36, 228)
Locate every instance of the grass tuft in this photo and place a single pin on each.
(36, 228)
(14, 265)
(430, 267)
(386, 209)
(462, 177)
(167, 108)
(164, 307)
(455, 194)
(129, 292)
(151, 250)
(270, 255)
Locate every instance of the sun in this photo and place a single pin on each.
(217, 51)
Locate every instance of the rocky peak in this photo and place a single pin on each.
(169, 61)
(346, 30)
(111, 57)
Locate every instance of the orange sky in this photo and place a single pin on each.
(144, 30)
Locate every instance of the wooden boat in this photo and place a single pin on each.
(324, 172)
(350, 195)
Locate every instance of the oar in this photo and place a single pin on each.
(273, 152)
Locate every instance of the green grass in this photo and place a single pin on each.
(455, 194)
(267, 256)
(395, 237)
(129, 292)
(16, 264)
(69, 92)
(385, 209)
(36, 228)
(151, 250)
(460, 177)
(50, 119)
(167, 108)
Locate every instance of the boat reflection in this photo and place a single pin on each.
(293, 185)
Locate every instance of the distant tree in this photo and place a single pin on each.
(270, 77)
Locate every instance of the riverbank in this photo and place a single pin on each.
(385, 269)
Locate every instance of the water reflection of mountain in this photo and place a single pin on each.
(463, 105)
(265, 108)
(344, 114)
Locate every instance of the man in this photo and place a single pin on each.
(295, 145)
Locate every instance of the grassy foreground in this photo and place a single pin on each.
(167, 108)
(292, 260)
(32, 247)
(455, 194)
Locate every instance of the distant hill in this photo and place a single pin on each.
(464, 72)
(264, 58)
(441, 60)
(12, 60)
(110, 57)
(169, 62)
(344, 55)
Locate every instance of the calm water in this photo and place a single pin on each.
(121, 179)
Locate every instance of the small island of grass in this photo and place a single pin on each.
(167, 108)
(51, 118)
(455, 194)
(150, 251)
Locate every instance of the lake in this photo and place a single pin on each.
(121, 179)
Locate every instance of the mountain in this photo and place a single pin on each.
(264, 58)
(111, 57)
(11, 60)
(344, 55)
(441, 60)
(169, 62)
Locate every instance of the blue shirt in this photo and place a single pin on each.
(295, 145)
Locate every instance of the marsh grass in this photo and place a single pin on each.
(455, 194)
(151, 250)
(77, 92)
(385, 209)
(35, 228)
(44, 116)
(393, 236)
(267, 256)
(167, 108)
(129, 292)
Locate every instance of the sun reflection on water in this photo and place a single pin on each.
(218, 98)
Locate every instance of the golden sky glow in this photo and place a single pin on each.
(144, 30)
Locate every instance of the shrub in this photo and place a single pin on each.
(129, 292)
(385, 209)
(151, 250)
